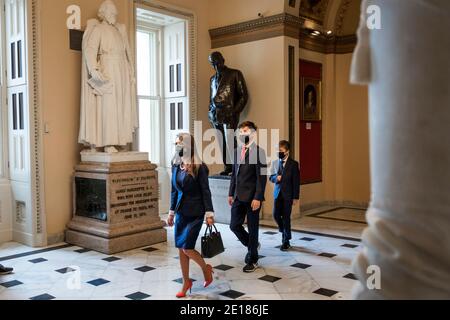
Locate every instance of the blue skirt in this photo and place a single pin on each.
(187, 230)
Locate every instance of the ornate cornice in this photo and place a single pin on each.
(282, 24)
(314, 11)
(327, 45)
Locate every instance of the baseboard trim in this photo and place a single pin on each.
(34, 252)
(334, 204)
(6, 236)
(23, 238)
(55, 238)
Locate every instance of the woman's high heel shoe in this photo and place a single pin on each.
(210, 271)
(182, 294)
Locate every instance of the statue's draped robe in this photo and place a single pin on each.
(108, 110)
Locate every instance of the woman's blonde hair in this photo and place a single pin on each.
(190, 159)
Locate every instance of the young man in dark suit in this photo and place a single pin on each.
(248, 184)
(285, 174)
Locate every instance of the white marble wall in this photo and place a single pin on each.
(406, 64)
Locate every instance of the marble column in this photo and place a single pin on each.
(407, 67)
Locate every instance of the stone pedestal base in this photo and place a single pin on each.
(100, 157)
(115, 204)
(115, 245)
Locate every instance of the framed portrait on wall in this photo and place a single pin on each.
(311, 97)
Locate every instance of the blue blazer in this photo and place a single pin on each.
(289, 186)
(191, 198)
(249, 177)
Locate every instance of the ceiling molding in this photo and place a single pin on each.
(345, 4)
(282, 24)
(327, 45)
(315, 10)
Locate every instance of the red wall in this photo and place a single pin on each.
(310, 132)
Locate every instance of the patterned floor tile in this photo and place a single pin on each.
(43, 297)
(111, 259)
(224, 267)
(11, 284)
(98, 282)
(144, 269)
(138, 296)
(270, 278)
(325, 292)
(301, 265)
(38, 260)
(232, 294)
(305, 272)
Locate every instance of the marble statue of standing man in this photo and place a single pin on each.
(108, 99)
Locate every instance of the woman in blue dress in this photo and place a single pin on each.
(190, 204)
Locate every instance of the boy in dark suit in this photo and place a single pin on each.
(248, 184)
(285, 174)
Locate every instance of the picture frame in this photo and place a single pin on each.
(311, 99)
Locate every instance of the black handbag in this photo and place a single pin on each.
(212, 244)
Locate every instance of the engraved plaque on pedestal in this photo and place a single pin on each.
(115, 205)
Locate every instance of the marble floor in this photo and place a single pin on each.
(341, 222)
(317, 267)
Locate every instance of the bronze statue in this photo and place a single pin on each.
(229, 96)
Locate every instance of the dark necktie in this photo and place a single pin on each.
(281, 168)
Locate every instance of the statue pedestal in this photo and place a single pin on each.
(113, 157)
(220, 185)
(115, 203)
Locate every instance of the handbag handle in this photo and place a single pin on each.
(209, 228)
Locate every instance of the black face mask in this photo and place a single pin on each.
(244, 139)
(281, 155)
(180, 150)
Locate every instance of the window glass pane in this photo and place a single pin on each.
(143, 61)
(14, 107)
(19, 58)
(180, 116)
(147, 73)
(179, 75)
(154, 71)
(150, 129)
(172, 116)
(21, 115)
(13, 60)
(172, 78)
